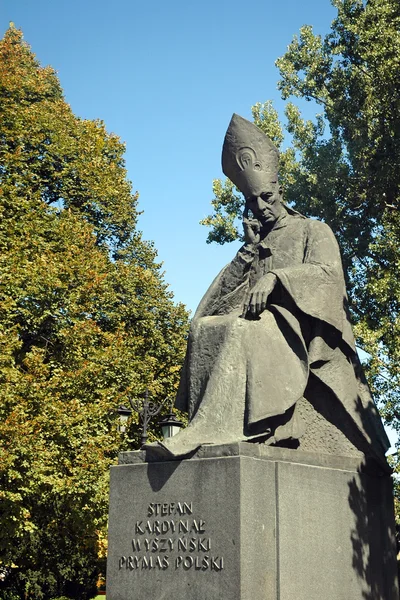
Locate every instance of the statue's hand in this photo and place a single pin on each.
(256, 299)
(251, 228)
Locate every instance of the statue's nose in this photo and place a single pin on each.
(260, 203)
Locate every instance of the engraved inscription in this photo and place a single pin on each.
(178, 541)
(180, 508)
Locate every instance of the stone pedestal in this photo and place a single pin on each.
(247, 522)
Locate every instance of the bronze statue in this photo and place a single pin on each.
(271, 355)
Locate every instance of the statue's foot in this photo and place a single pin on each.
(189, 440)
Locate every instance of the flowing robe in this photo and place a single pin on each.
(241, 374)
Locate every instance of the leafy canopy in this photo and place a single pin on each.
(86, 320)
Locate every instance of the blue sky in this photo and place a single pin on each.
(166, 77)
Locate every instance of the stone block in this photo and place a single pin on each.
(247, 522)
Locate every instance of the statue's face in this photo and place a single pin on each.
(266, 203)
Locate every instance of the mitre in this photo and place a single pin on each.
(249, 158)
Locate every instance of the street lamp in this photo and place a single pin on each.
(123, 413)
(170, 425)
(146, 410)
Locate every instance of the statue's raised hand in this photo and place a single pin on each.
(251, 228)
(257, 298)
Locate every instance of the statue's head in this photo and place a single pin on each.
(251, 160)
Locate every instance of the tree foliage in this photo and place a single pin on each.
(344, 167)
(86, 320)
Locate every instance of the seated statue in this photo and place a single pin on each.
(271, 355)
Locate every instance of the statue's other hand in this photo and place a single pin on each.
(257, 298)
(251, 228)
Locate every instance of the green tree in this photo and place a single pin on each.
(86, 320)
(344, 167)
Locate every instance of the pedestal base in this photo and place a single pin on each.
(247, 522)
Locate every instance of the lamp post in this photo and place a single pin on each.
(146, 410)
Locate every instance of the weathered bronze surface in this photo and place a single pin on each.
(271, 354)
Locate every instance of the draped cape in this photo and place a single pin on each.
(263, 365)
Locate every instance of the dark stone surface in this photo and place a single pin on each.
(336, 533)
(271, 351)
(261, 451)
(236, 558)
(285, 527)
